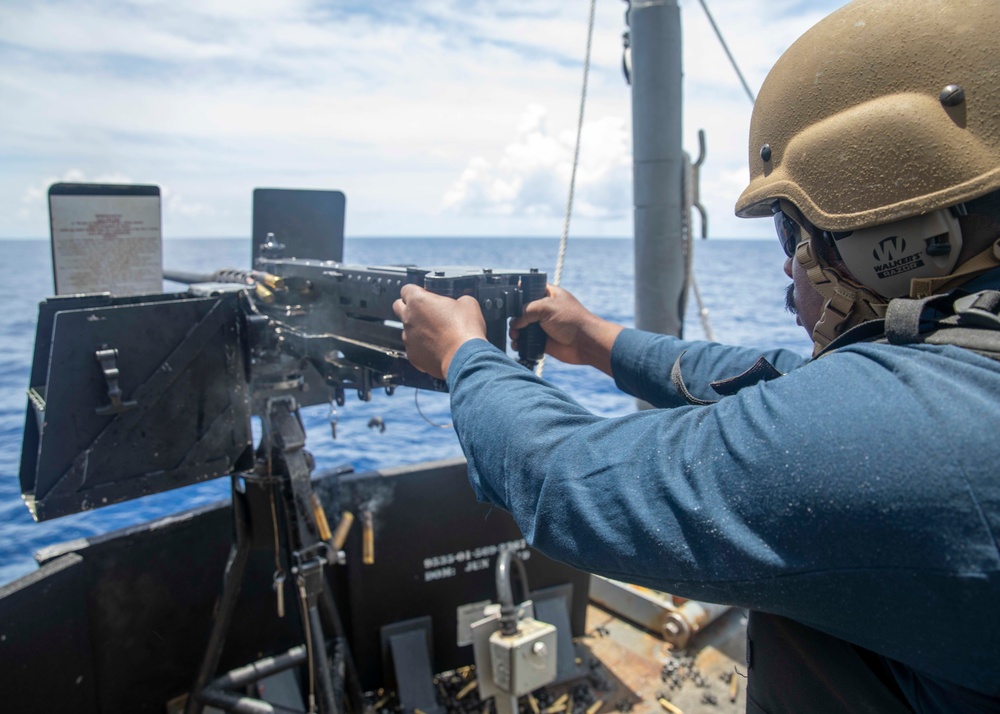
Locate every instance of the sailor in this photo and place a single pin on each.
(851, 502)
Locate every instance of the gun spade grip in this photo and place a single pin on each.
(531, 342)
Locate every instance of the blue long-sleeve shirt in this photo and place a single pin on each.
(858, 494)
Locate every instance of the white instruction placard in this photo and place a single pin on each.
(103, 243)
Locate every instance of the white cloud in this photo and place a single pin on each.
(173, 205)
(387, 101)
(34, 198)
(532, 176)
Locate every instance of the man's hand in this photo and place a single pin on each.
(575, 335)
(434, 327)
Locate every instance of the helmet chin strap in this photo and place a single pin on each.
(846, 303)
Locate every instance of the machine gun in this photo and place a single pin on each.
(135, 395)
(338, 320)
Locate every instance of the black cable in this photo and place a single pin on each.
(729, 54)
(505, 591)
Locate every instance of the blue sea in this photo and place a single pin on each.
(741, 282)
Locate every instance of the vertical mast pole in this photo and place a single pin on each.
(658, 165)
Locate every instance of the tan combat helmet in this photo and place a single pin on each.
(872, 129)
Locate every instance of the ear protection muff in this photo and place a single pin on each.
(886, 258)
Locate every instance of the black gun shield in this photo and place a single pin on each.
(310, 224)
(185, 407)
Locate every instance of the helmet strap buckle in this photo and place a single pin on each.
(845, 304)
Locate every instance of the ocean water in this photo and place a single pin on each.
(741, 282)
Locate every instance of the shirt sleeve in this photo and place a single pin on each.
(803, 496)
(641, 363)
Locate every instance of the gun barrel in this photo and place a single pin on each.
(227, 275)
(181, 276)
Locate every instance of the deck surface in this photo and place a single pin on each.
(640, 669)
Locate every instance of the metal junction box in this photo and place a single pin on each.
(525, 661)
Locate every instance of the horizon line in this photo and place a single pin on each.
(421, 237)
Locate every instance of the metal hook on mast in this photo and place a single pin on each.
(696, 184)
(626, 47)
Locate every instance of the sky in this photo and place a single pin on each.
(434, 117)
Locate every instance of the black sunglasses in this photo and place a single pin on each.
(791, 230)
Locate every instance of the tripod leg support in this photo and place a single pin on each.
(233, 582)
(287, 462)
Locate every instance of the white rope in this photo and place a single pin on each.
(561, 259)
(706, 326)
